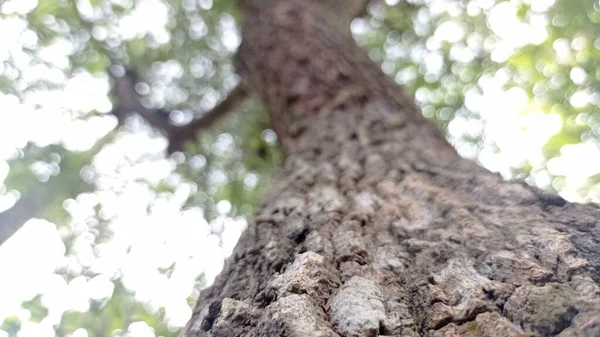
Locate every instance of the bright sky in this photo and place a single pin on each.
(145, 241)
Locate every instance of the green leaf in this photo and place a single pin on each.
(556, 142)
(37, 310)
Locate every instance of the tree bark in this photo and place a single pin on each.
(15, 217)
(377, 227)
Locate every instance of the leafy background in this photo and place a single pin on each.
(120, 237)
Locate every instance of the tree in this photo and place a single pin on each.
(61, 57)
(376, 226)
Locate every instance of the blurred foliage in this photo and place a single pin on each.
(108, 318)
(441, 51)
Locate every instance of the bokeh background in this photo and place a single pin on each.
(117, 236)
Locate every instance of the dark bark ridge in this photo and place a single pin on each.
(377, 227)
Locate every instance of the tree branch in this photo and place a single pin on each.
(232, 102)
(15, 217)
(352, 8)
(129, 101)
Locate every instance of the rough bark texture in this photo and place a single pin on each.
(377, 227)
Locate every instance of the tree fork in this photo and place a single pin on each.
(376, 226)
(128, 101)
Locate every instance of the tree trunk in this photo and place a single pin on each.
(376, 226)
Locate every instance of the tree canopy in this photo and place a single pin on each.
(125, 232)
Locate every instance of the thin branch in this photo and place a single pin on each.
(15, 217)
(128, 100)
(36, 196)
(356, 8)
(347, 10)
(231, 103)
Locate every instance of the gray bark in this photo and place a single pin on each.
(376, 226)
(14, 218)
